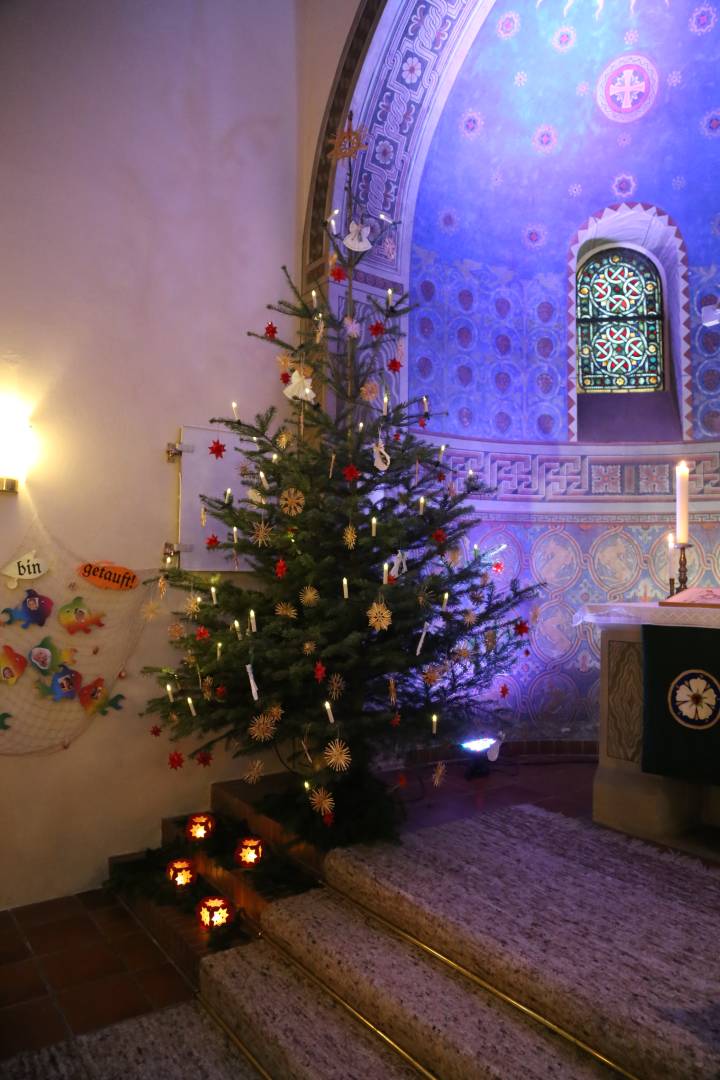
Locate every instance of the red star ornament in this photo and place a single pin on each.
(175, 760)
(271, 331)
(439, 536)
(397, 436)
(394, 364)
(350, 473)
(504, 690)
(221, 692)
(377, 329)
(202, 633)
(498, 567)
(320, 671)
(338, 274)
(285, 378)
(280, 568)
(328, 819)
(212, 541)
(422, 421)
(521, 628)
(217, 448)
(156, 731)
(203, 757)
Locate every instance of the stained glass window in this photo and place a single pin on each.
(619, 323)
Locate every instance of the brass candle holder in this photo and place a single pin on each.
(682, 566)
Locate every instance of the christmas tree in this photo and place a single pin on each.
(369, 620)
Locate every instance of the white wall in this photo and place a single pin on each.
(148, 196)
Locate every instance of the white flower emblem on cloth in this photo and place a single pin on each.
(694, 699)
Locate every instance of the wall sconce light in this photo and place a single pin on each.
(17, 442)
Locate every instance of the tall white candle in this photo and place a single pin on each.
(445, 600)
(682, 485)
(234, 409)
(385, 403)
(253, 624)
(168, 687)
(346, 594)
(191, 707)
(228, 495)
(421, 642)
(373, 526)
(386, 569)
(389, 296)
(434, 723)
(238, 631)
(253, 684)
(213, 593)
(235, 534)
(314, 298)
(328, 710)
(426, 403)
(218, 648)
(422, 504)
(263, 480)
(441, 452)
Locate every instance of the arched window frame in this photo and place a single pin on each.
(666, 380)
(657, 235)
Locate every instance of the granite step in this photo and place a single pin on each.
(294, 1029)
(613, 947)
(455, 1029)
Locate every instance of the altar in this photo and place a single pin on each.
(679, 812)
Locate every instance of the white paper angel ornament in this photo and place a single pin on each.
(300, 386)
(358, 237)
(381, 458)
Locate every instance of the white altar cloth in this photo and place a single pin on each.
(638, 612)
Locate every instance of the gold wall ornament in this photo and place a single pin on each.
(337, 755)
(379, 615)
(347, 142)
(262, 728)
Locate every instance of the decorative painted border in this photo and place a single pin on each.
(647, 226)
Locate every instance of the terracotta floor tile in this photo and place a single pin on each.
(164, 985)
(97, 898)
(12, 947)
(105, 1001)
(20, 982)
(137, 951)
(114, 922)
(70, 967)
(30, 1026)
(48, 911)
(73, 933)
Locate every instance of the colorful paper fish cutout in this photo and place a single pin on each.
(64, 685)
(12, 665)
(33, 611)
(47, 657)
(76, 617)
(95, 698)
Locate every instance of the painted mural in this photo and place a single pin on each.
(549, 120)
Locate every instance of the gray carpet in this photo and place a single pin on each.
(611, 938)
(180, 1043)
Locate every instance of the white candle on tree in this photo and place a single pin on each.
(346, 594)
(328, 710)
(373, 526)
(386, 569)
(191, 707)
(253, 624)
(168, 687)
(682, 485)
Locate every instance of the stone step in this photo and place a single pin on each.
(456, 1030)
(611, 955)
(292, 1027)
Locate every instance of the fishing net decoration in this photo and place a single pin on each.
(64, 641)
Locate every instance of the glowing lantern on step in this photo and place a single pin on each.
(181, 872)
(199, 826)
(249, 851)
(214, 912)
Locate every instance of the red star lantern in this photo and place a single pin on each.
(320, 670)
(338, 274)
(521, 628)
(214, 912)
(504, 690)
(271, 331)
(181, 872)
(212, 541)
(439, 536)
(156, 731)
(249, 851)
(175, 760)
(202, 633)
(422, 422)
(203, 757)
(394, 364)
(350, 473)
(199, 826)
(377, 329)
(280, 568)
(498, 567)
(285, 378)
(217, 448)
